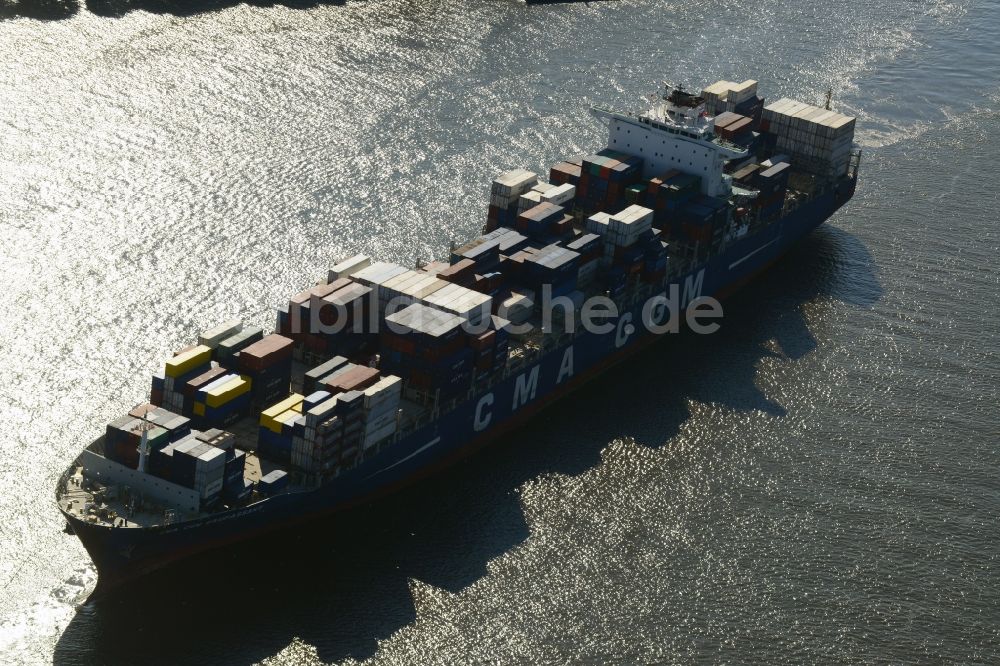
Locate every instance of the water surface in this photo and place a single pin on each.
(815, 483)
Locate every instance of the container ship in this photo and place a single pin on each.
(380, 374)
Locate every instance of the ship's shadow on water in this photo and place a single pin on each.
(54, 10)
(344, 584)
(42, 10)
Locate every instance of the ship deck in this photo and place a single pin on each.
(114, 506)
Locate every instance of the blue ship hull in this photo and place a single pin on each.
(124, 553)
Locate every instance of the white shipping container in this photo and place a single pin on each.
(425, 289)
(560, 195)
(373, 438)
(412, 286)
(381, 420)
(514, 182)
(381, 402)
(626, 227)
(212, 337)
(598, 223)
(443, 294)
(716, 92)
(378, 274)
(740, 92)
(348, 267)
(460, 301)
(503, 200)
(390, 384)
(391, 286)
(528, 201)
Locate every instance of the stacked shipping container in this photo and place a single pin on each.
(818, 140)
(504, 194)
(276, 427)
(741, 98)
(426, 347)
(604, 177)
(268, 365)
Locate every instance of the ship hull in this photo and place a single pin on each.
(121, 554)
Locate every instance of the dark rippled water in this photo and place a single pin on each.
(815, 483)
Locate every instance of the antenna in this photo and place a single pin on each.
(829, 98)
(144, 428)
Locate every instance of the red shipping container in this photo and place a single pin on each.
(725, 119)
(301, 303)
(138, 411)
(400, 343)
(564, 225)
(484, 340)
(316, 343)
(351, 300)
(264, 353)
(127, 453)
(564, 172)
(192, 385)
(355, 379)
(735, 128)
(458, 271)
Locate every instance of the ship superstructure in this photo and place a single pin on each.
(381, 372)
(675, 133)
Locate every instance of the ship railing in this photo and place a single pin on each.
(728, 145)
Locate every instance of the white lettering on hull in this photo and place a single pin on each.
(692, 287)
(525, 388)
(482, 420)
(566, 367)
(625, 329)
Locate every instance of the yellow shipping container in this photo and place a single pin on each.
(268, 417)
(220, 395)
(189, 360)
(276, 424)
